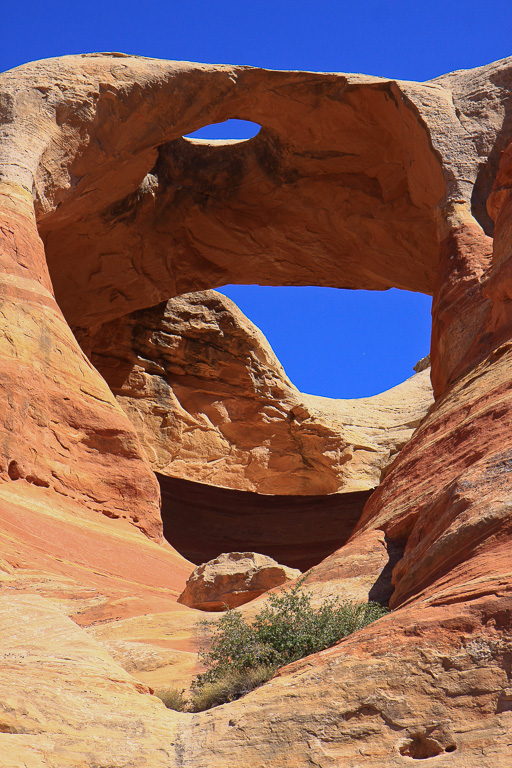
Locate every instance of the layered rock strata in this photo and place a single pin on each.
(353, 181)
(60, 426)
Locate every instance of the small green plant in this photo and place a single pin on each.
(242, 656)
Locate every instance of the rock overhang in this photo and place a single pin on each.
(342, 175)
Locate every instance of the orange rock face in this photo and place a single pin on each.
(60, 425)
(106, 210)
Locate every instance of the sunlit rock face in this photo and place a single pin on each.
(211, 403)
(106, 210)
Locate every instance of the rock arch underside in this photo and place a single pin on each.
(127, 379)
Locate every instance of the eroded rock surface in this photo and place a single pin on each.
(355, 182)
(232, 579)
(60, 426)
(211, 403)
(65, 702)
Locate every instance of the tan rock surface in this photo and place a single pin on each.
(97, 570)
(361, 570)
(211, 403)
(65, 702)
(380, 154)
(106, 162)
(420, 684)
(159, 648)
(232, 579)
(352, 182)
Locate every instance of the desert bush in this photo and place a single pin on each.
(173, 698)
(293, 628)
(230, 686)
(242, 656)
(233, 647)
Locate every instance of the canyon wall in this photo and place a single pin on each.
(106, 211)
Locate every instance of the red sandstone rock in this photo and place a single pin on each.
(232, 579)
(341, 175)
(352, 182)
(60, 426)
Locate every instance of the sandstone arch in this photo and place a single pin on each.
(79, 137)
(342, 174)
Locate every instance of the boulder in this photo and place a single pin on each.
(232, 579)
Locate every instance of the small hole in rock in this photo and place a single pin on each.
(14, 471)
(228, 129)
(421, 747)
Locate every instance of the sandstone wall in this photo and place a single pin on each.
(352, 182)
(60, 426)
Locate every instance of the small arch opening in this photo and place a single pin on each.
(229, 130)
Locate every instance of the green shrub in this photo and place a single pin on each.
(234, 647)
(293, 628)
(242, 656)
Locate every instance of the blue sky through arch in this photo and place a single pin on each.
(229, 129)
(340, 343)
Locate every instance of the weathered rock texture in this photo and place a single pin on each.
(355, 182)
(60, 426)
(232, 579)
(210, 402)
(65, 702)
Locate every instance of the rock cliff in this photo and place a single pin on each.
(107, 211)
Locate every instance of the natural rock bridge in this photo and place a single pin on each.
(108, 217)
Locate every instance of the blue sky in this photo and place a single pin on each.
(333, 343)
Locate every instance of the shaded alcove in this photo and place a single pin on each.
(201, 521)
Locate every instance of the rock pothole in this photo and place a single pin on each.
(422, 746)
